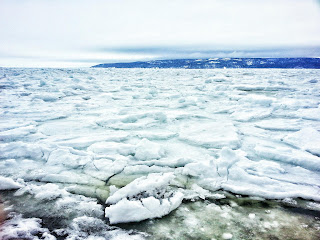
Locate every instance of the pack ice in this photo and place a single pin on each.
(141, 141)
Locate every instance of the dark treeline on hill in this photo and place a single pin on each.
(220, 63)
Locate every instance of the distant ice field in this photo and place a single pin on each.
(99, 147)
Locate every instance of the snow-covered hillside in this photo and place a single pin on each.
(211, 63)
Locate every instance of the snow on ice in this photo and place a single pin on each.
(144, 140)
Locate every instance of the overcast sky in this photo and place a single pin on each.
(71, 33)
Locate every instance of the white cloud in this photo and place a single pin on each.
(54, 27)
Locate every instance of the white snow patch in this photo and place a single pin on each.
(227, 236)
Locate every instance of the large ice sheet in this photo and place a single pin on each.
(144, 139)
(233, 171)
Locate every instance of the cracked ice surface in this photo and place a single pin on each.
(142, 140)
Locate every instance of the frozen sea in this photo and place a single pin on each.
(160, 153)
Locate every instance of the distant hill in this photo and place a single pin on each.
(220, 63)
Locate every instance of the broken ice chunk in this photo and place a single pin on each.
(24, 228)
(225, 161)
(148, 184)
(21, 150)
(211, 135)
(289, 155)
(144, 198)
(136, 211)
(67, 158)
(306, 139)
(8, 183)
(147, 150)
(257, 100)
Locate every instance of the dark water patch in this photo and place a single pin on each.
(243, 217)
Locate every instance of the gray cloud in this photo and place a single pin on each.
(93, 31)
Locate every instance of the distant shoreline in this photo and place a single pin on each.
(212, 63)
